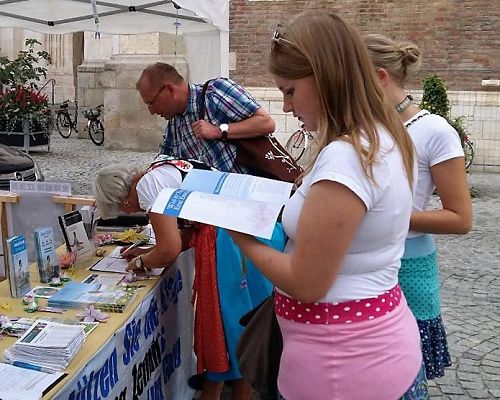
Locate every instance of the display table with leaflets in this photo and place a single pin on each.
(146, 352)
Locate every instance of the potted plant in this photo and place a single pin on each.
(435, 99)
(22, 107)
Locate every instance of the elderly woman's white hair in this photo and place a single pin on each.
(111, 186)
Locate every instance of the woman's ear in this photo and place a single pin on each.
(383, 76)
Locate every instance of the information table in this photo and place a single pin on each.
(144, 353)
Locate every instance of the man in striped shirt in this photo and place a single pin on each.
(230, 113)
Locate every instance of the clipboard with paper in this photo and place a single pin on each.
(243, 203)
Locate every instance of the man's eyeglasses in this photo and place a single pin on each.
(151, 102)
(278, 38)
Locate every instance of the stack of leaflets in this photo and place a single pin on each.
(112, 298)
(47, 346)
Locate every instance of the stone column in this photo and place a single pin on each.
(128, 123)
(108, 75)
(66, 52)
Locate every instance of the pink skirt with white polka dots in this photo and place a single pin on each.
(337, 313)
(367, 358)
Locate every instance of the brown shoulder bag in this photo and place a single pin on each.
(262, 155)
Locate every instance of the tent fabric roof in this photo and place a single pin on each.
(115, 16)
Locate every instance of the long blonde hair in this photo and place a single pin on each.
(321, 44)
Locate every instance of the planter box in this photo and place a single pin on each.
(17, 139)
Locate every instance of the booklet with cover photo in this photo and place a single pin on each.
(48, 267)
(75, 236)
(18, 266)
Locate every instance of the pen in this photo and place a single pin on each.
(132, 246)
(33, 367)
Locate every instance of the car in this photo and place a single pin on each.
(17, 166)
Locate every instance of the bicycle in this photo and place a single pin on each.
(95, 125)
(468, 147)
(64, 123)
(298, 142)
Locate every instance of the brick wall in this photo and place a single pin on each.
(459, 38)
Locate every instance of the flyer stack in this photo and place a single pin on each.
(47, 346)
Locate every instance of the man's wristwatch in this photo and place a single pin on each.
(138, 262)
(224, 131)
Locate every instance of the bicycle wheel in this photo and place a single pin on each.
(296, 144)
(96, 132)
(469, 154)
(63, 124)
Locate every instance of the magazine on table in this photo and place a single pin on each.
(18, 266)
(112, 298)
(243, 203)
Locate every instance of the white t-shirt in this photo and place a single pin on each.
(372, 263)
(154, 181)
(435, 141)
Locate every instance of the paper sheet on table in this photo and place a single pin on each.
(30, 384)
(239, 202)
(114, 262)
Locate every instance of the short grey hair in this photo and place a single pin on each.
(111, 186)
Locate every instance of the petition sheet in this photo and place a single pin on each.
(30, 384)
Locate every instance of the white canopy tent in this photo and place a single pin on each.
(204, 24)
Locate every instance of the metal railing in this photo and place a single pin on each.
(52, 81)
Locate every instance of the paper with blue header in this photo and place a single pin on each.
(243, 203)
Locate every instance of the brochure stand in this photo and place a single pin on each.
(47, 206)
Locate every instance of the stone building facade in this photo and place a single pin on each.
(459, 40)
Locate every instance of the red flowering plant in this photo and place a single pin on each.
(21, 105)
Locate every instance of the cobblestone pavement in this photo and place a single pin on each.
(470, 268)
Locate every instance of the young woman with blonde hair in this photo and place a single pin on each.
(440, 166)
(347, 330)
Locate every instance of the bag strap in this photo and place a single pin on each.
(201, 114)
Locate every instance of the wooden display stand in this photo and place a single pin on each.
(70, 204)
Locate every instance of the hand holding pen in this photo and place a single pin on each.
(128, 253)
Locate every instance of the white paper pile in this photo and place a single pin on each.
(47, 346)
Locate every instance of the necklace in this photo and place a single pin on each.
(404, 104)
(412, 121)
